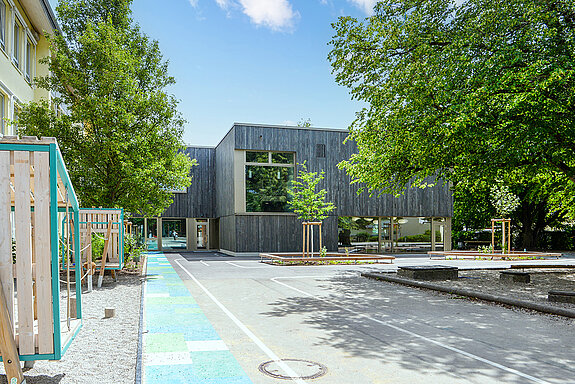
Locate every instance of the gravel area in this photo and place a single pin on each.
(105, 350)
(542, 281)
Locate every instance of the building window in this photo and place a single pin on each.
(16, 46)
(268, 177)
(3, 15)
(320, 150)
(2, 111)
(29, 59)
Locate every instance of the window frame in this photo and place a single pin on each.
(270, 164)
(3, 24)
(16, 42)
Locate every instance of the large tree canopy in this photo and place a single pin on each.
(473, 91)
(122, 135)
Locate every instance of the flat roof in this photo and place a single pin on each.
(237, 124)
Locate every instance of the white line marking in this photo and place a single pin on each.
(290, 372)
(241, 266)
(439, 344)
(203, 262)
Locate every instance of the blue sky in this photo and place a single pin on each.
(257, 61)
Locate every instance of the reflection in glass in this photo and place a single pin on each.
(266, 188)
(257, 157)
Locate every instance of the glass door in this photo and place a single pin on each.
(202, 234)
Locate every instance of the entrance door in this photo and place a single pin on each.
(201, 234)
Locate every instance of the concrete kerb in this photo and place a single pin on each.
(473, 294)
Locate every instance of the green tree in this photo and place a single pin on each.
(121, 137)
(460, 92)
(304, 122)
(307, 202)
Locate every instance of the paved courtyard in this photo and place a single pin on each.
(361, 330)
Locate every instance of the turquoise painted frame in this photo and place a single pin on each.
(57, 167)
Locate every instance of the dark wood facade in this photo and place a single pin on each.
(322, 150)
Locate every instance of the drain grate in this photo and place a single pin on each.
(306, 369)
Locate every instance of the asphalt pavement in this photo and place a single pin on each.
(349, 329)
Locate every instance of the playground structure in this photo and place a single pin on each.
(34, 189)
(108, 224)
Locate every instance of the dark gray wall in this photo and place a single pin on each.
(224, 190)
(435, 201)
(279, 233)
(199, 201)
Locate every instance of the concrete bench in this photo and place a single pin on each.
(429, 272)
(514, 277)
(561, 296)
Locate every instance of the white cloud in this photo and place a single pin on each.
(194, 3)
(365, 5)
(274, 14)
(224, 4)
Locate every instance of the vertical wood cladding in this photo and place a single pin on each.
(212, 191)
(279, 233)
(200, 199)
(435, 201)
(225, 176)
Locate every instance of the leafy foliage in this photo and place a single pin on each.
(308, 204)
(122, 136)
(504, 201)
(461, 91)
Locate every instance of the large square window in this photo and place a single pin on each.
(267, 188)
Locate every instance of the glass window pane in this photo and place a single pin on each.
(2, 113)
(2, 24)
(266, 188)
(257, 157)
(16, 46)
(282, 158)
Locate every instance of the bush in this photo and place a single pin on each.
(132, 250)
(362, 237)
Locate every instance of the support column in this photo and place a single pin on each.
(447, 234)
(146, 232)
(159, 233)
(189, 230)
(194, 234)
(391, 232)
(379, 251)
(432, 234)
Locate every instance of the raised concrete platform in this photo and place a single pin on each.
(428, 272)
(561, 296)
(514, 277)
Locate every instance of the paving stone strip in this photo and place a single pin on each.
(179, 343)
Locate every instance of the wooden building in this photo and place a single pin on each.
(237, 201)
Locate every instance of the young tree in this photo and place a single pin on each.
(308, 204)
(121, 137)
(461, 91)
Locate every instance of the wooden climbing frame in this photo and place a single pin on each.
(34, 189)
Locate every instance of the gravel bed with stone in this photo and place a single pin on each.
(542, 281)
(105, 350)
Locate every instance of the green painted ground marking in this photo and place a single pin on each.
(165, 342)
(209, 364)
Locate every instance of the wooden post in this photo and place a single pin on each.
(8, 348)
(493, 235)
(320, 244)
(88, 254)
(303, 239)
(105, 254)
(509, 237)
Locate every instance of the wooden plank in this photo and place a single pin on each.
(8, 347)
(105, 255)
(23, 252)
(6, 270)
(43, 253)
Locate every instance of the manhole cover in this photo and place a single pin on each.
(304, 369)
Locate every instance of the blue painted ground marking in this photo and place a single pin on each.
(179, 344)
